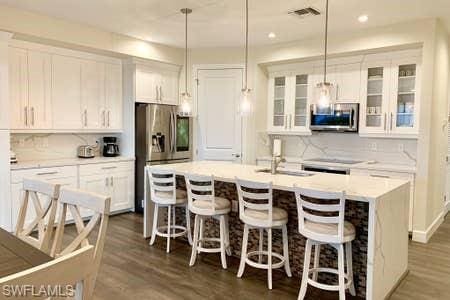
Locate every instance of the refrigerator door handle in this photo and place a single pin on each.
(172, 132)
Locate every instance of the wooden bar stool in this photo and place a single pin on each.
(257, 212)
(322, 222)
(163, 193)
(204, 204)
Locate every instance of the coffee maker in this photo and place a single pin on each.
(110, 147)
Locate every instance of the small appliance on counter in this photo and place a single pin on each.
(110, 146)
(12, 157)
(86, 151)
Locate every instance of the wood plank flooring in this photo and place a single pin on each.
(131, 269)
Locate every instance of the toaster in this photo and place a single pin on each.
(86, 151)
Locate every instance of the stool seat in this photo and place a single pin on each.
(181, 196)
(254, 217)
(322, 232)
(221, 205)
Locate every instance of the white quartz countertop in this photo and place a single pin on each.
(365, 165)
(359, 188)
(32, 164)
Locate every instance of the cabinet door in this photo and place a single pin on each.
(147, 87)
(374, 109)
(66, 93)
(169, 88)
(99, 184)
(299, 116)
(404, 104)
(18, 88)
(39, 90)
(92, 94)
(277, 112)
(113, 91)
(122, 191)
(348, 82)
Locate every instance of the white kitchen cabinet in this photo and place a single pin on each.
(113, 97)
(396, 175)
(277, 109)
(169, 93)
(92, 94)
(121, 187)
(5, 203)
(390, 98)
(348, 82)
(147, 85)
(30, 88)
(66, 93)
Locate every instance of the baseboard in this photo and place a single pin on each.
(396, 285)
(447, 206)
(424, 236)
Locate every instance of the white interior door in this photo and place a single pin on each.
(219, 123)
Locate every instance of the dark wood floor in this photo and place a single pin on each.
(131, 269)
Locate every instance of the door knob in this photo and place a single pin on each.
(237, 155)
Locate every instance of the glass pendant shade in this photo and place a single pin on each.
(324, 94)
(245, 104)
(185, 108)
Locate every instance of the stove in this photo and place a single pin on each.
(335, 160)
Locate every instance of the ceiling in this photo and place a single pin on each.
(219, 23)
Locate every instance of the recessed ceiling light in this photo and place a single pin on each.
(272, 35)
(363, 18)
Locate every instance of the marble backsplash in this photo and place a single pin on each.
(52, 146)
(342, 145)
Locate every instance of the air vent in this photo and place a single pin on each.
(305, 12)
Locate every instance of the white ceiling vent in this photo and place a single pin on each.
(305, 12)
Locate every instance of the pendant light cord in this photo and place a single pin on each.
(186, 55)
(326, 43)
(246, 46)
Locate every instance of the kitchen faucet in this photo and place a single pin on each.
(276, 160)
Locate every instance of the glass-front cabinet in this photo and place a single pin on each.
(277, 109)
(299, 118)
(389, 97)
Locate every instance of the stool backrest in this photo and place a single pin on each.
(162, 185)
(255, 196)
(44, 213)
(312, 206)
(201, 187)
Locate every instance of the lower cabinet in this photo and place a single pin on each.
(112, 179)
(396, 175)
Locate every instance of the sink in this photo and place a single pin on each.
(286, 172)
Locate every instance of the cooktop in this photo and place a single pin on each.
(335, 160)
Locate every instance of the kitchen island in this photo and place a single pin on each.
(377, 207)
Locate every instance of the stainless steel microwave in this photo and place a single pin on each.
(342, 117)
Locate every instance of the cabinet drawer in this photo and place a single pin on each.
(383, 174)
(113, 167)
(17, 176)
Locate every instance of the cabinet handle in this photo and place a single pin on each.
(109, 115)
(85, 118)
(112, 181)
(107, 181)
(392, 117)
(157, 93)
(160, 93)
(380, 176)
(385, 121)
(108, 168)
(47, 173)
(285, 122)
(337, 91)
(103, 118)
(26, 115)
(32, 116)
(290, 121)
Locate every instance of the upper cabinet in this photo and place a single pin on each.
(390, 93)
(53, 89)
(155, 82)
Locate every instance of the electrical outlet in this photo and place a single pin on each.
(373, 146)
(234, 206)
(401, 147)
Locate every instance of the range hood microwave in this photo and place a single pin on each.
(340, 117)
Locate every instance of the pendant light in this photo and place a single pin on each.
(246, 105)
(185, 108)
(324, 89)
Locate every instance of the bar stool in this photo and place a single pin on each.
(257, 212)
(204, 204)
(163, 193)
(324, 224)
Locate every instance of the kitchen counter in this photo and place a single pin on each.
(377, 207)
(365, 165)
(33, 164)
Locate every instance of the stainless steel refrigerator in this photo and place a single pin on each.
(162, 137)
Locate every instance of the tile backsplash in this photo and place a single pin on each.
(52, 146)
(343, 145)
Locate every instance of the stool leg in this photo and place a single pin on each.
(243, 252)
(194, 242)
(316, 260)
(227, 235)
(269, 257)
(341, 271)
(202, 225)
(261, 240)
(155, 223)
(348, 251)
(305, 275)
(188, 225)
(174, 221)
(287, 266)
(222, 242)
(169, 213)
